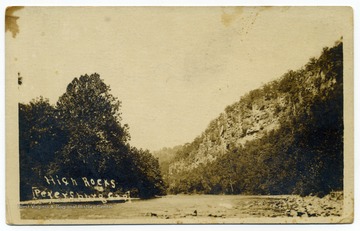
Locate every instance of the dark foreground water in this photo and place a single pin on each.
(179, 208)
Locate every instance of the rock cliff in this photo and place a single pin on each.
(293, 97)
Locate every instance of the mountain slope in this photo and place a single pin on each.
(285, 137)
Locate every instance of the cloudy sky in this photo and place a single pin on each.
(174, 69)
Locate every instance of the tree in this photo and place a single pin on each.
(40, 137)
(149, 181)
(91, 117)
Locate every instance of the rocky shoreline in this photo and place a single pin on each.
(223, 208)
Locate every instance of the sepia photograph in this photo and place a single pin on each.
(179, 115)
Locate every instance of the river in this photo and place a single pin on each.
(193, 209)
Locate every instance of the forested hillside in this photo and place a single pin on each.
(166, 155)
(283, 138)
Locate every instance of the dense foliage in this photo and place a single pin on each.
(303, 155)
(82, 136)
(283, 138)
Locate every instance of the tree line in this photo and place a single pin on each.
(82, 136)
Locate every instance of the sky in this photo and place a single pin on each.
(174, 69)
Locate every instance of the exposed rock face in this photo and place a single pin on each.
(239, 123)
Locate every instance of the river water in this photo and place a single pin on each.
(192, 209)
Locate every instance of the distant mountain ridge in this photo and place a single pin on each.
(309, 98)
